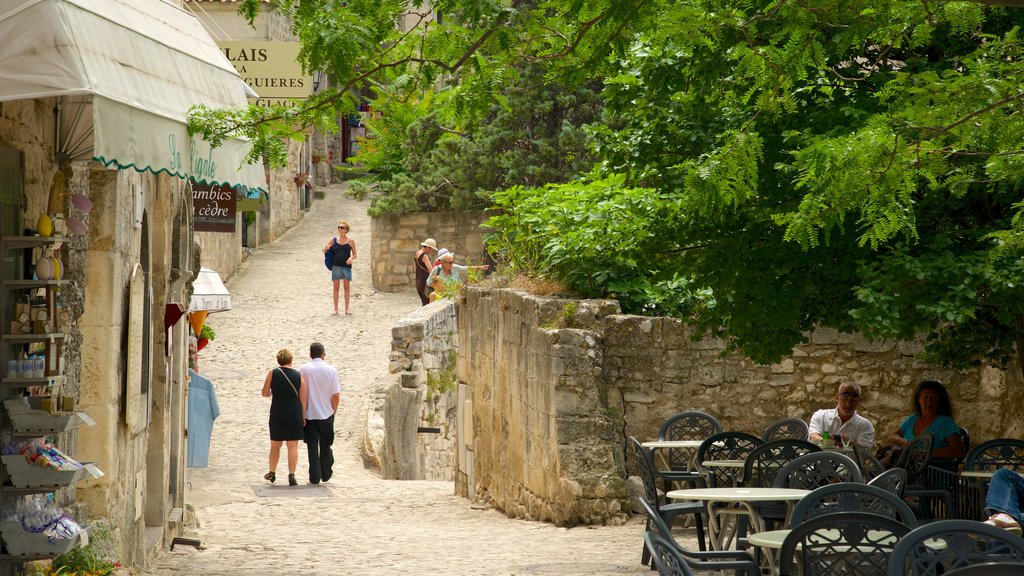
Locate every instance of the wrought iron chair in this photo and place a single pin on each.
(869, 464)
(852, 497)
(817, 469)
(724, 446)
(945, 545)
(668, 512)
(989, 569)
(893, 480)
(665, 557)
(916, 459)
(987, 456)
(762, 466)
(737, 560)
(690, 425)
(843, 543)
(787, 428)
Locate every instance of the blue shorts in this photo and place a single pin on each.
(341, 273)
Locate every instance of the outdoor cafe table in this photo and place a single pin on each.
(735, 466)
(730, 500)
(772, 540)
(690, 445)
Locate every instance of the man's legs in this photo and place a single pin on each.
(311, 436)
(326, 437)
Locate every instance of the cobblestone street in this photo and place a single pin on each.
(364, 525)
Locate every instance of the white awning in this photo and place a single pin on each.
(127, 72)
(209, 293)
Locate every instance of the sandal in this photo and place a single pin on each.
(270, 476)
(1004, 521)
(292, 481)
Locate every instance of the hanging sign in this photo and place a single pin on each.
(271, 69)
(213, 207)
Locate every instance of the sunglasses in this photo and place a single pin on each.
(342, 227)
(849, 395)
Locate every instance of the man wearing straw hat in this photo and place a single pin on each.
(423, 267)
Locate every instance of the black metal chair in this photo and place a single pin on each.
(852, 497)
(922, 484)
(668, 512)
(893, 480)
(737, 560)
(996, 454)
(762, 466)
(989, 569)
(666, 557)
(724, 446)
(785, 429)
(945, 545)
(868, 463)
(841, 544)
(817, 469)
(690, 425)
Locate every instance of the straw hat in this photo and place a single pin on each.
(429, 243)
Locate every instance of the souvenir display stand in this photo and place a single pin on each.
(30, 388)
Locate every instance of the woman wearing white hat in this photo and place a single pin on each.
(423, 267)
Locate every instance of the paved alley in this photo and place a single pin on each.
(364, 525)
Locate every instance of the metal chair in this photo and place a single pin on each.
(667, 512)
(852, 497)
(989, 569)
(737, 560)
(724, 446)
(785, 429)
(868, 463)
(666, 557)
(844, 543)
(765, 461)
(893, 480)
(996, 454)
(690, 425)
(945, 545)
(817, 469)
(916, 459)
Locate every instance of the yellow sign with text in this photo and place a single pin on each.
(271, 69)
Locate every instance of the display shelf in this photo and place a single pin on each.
(25, 338)
(29, 422)
(28, 477)
(51, 381)
(29, 284)
(22, 546)
(16, 242)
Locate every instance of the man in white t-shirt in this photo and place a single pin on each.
(323, 395)
(842, 422)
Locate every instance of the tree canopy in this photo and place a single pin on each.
(760, 167)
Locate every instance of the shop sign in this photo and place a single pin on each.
(213, 207)
(271, 69)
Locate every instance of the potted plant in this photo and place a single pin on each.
(205, 335)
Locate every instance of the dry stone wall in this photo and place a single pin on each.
(553, 388)
(394, 240)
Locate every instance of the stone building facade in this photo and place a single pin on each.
(394, 240)
(554, 387)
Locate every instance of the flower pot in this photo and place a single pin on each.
(201, 343)
(317, 158)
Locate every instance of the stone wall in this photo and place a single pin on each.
(394, 240)
(554, 387)
(541, 438)
(412, 410)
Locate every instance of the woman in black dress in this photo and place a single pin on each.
(287, 391)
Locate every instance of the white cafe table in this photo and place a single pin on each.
(690, 445)
(730, 501)
(983, 473)
(734, 466)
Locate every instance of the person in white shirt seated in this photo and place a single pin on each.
(842, 422)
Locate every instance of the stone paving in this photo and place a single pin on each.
(365, 525)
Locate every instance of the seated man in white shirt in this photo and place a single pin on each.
(842, 422)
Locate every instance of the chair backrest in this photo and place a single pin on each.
(893, 480)
(765, 461)
(785, 429)
(944, 545)
(915, 457)
(841, 543)
(691, 425)
(667, 559)
(645, 467)
(966, 439)
(989, 569)
(869, 465)
(724, 446)
(996, 454)
(852, 497)
(817, 469)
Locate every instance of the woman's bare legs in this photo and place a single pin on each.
(293, 455)
(275, 454)
(347, 292)
(336, 283)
